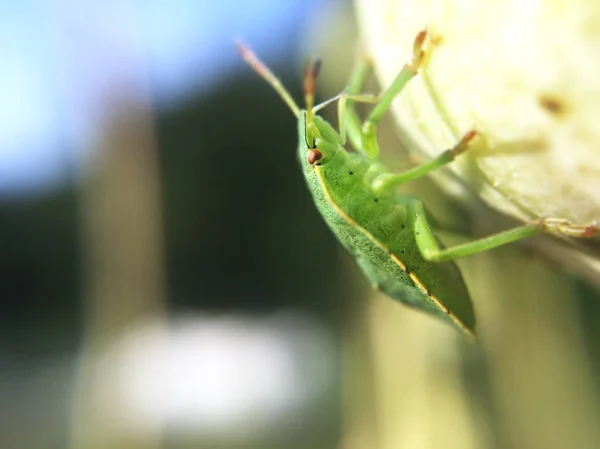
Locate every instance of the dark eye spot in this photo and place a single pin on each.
(314, 156)
(402, 251)
(376, 200)
(351, 173)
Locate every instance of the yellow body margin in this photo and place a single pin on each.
(372, 239)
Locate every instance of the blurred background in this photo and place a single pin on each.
(165, 281)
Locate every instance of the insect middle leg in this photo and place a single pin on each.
(386, 181)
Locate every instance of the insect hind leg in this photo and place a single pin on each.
(565, 227)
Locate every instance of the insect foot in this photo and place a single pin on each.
(418, 51)
(463, 144)
(565, 227)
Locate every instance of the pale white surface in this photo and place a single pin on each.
(493, 62)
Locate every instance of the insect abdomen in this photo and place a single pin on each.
(376, 231)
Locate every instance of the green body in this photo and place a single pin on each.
(378, 231)
(388, 234)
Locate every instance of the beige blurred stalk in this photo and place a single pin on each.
(124, 274)
(524, 74)
(123, 256)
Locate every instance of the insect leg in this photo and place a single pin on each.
(347, 113)
(348, 119)
(387, 181)
(369, 128)
(565, 227)
(431, 251)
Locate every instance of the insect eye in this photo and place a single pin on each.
(314, 156)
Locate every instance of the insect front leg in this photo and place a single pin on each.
(369, 128)
(347, 117)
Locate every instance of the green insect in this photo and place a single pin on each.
(388, 234)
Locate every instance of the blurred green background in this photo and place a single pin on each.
(175, 287)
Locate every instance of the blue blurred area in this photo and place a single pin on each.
(63, 63)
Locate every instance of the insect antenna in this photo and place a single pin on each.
(310, 80)
(320, 106)
(259, 67)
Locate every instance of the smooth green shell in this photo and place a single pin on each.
(378, 230)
